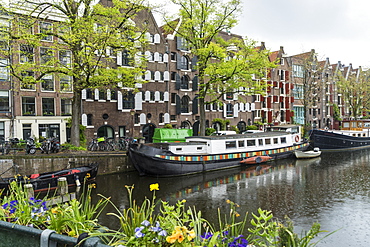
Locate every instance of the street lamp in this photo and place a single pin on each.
(132, 112)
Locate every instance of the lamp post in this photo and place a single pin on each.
(132, 112)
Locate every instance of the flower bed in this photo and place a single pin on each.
(174, 225)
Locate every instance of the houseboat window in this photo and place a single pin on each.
(260, 142)
(230, 144)
(282, 140)
(346, 124)
(178, 149)
(251, 143)
(267, 141)
(276, 141)
(241, 143)
(366, 124)
(354, 124)
(199, 148)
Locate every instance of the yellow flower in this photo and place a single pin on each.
(92, 186)
(154, 187)
(237, 215)
(228, 201)
(191, 235)
(88, 175)
(183, 201)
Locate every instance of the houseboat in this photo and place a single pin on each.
(353, 135)
(207, 153)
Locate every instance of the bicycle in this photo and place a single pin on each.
(93, 145)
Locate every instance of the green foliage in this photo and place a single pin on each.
(168, 126)
(223, 122)
(235, 128)
(252, 127)
(336, 113)
(81, 134)
(71, 147)
(209, 131)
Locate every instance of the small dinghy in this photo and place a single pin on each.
(49, 181)
(307, 154)
(255, 160)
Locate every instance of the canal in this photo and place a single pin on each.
(332, 190)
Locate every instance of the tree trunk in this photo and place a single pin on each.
(202, 117)
(76, 114)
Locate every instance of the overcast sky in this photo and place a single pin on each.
(337, 29)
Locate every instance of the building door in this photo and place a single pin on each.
(106, 131)
(148, 132)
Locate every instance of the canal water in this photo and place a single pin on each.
(333, 190)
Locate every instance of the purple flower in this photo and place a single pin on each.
(207, 235)
(138, 233)
(145, 223)
(156, 228)
(162, 233)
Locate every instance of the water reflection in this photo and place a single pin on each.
(333, 190)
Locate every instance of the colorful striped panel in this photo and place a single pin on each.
(228, 156)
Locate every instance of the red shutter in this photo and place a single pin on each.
(269, 117)
(286, 75)
(287, 115)
(269, 75)
(281, 99)
(292, 99)
(269, 102)
(287, 101)
(275, 83)
(275, 98)
(287, 88)
(280, 85)
(292, 86)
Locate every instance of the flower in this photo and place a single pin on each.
(145, 223)
(154, 187)
(138, 233)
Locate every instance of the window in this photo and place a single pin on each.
(185, 104)
(260, 142)
(66, 107)
(229, 110)
(28, 85)
(48, 106)
(241, 143)
(298, 91)
(298, 71)
(113, 94)
(45, 29)
(230, 144)
(65, 58)
(4, 71)
(267, 141)
(66, 83)
(4, 101)
(28, 106)
(102, 95)
(126, 61)
(136, 118)
(46, 55)
(251, 143)
(173, 98)
(282, 140)
(173, 56)
(49, 130)
(276, 140)
(25, 26)
(229, 96)
(89, 93)
(47, 83)
(2, 130)
(26, 53)
(161, 118)
(184, 63)
(89, 119)
(185, 82)
(128, 100)
(121, 131)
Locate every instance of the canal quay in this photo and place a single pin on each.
(333, 189)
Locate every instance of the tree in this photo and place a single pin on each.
(223, 65)
(355, 89)
(85, 35)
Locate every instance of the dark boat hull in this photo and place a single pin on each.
(49, 181)
(330, 141)
(151, 161)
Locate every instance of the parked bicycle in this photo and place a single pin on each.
(102, 144)
(124, 143)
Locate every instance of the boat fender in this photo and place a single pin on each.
(296, 138)
(258, 159)
(78, 183)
